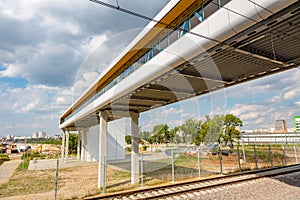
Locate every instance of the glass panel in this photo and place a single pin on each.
(194, 21)
(210, 8)
(155, 51)
(224, 2)
(164, 43)
(173, 37)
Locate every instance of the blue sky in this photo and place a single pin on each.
(43, 66)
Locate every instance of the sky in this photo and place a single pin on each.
(47, 59)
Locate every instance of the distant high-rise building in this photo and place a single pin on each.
(280, 125)
(9, 137)
(34, 135)
(42, 134)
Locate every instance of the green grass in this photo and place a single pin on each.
(28, 182)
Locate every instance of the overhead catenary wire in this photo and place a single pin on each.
(118, 8)
(152, 19)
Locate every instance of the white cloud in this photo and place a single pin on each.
(11, 70)
(29, 107)
(290, 94)
(297, 103)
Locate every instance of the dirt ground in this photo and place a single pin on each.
(81, 181)
(72, 184)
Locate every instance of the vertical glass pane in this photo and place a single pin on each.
(173, 36)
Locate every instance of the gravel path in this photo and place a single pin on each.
(7, 169)
(282, 188)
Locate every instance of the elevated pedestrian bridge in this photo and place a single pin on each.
(192, 47)
(214, 46)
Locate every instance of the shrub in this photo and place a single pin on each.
(3, 158)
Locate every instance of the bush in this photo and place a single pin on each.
(3, 158)
(145, 147)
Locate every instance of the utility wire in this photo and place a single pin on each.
(179, 28)
(153, 20)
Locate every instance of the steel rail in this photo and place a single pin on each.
(196, 185)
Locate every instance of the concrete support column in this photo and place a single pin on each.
(102, 150)
(63, 146)
(78, 146)
(82, 145)
(135, 150)
(67, 145)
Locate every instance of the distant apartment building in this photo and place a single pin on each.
(34, 135)
(9, 137)
(41, 134)
(280, 126)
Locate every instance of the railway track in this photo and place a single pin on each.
(192, 188)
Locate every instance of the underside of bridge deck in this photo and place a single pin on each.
(270, 46)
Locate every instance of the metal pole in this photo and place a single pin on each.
(142, 171)
(255, 158)
(238, 151)
(243, 147)
(173, 170)
(270, 154)
(116, 148)
(221, 169)
(296, 156)
(199, 170)
(23, 160)
(56, 182)
(104, 176)
(284, 156)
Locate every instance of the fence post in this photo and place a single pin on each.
(243, 147)
(238, 151)
(270, 155)
(296, 156)
(142, 171)
(199, 170)
(173, 169)
(255, 157)
(56, 180)
(220, 156)
(284, 156)
(104, 177)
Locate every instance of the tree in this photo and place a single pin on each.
(231, 133)
(190, 129)
(160, 134)
(144, 135)
(215, 129)
(128, 139)
(174, 134)
(73, 138)
(202, 132)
